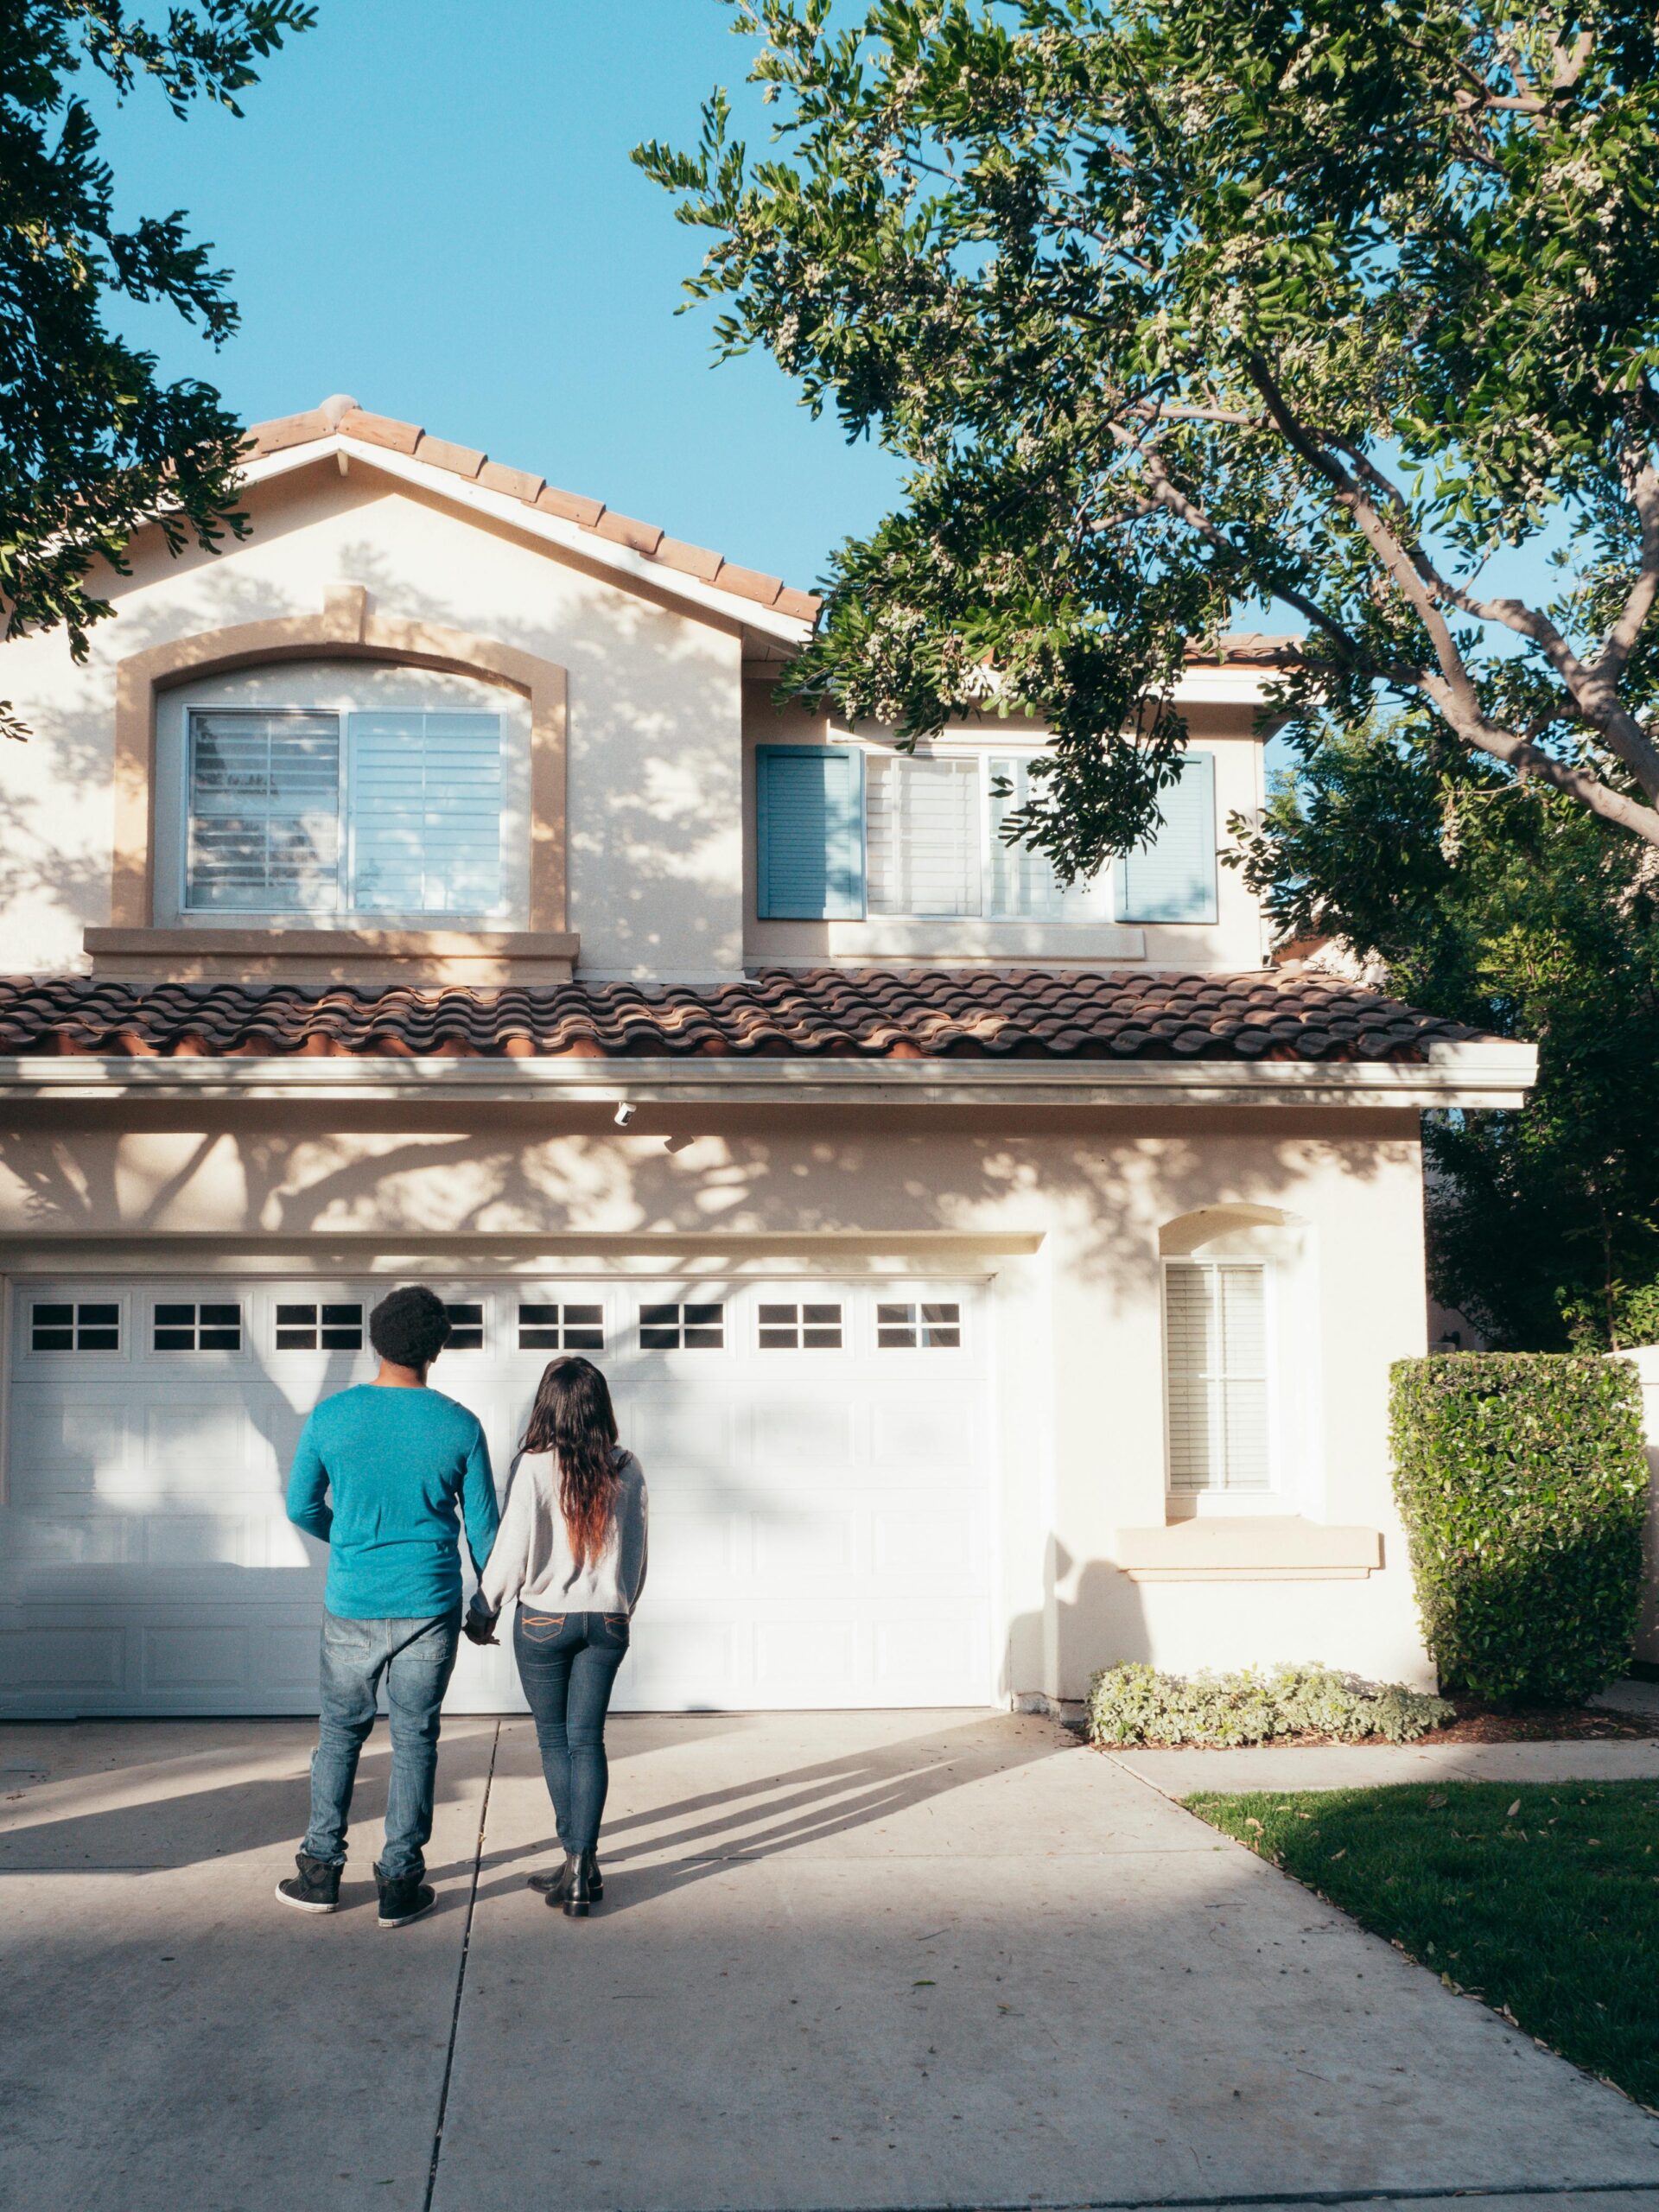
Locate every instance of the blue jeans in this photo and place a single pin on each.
(567, 1663)
(416, 1658)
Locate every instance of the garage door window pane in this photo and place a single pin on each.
(64, 1326)
(561, 1328)
(207, 1327)
(800, 1328)
(327, 1328)
(682, 1328)
(466, 1328)
(918, 1328)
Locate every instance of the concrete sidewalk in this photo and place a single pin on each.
(845, 1961)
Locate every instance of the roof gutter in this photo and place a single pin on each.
(1484, 1074)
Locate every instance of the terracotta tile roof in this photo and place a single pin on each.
(855, 1013)
(342, 414)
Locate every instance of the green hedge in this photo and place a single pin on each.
(1523, 1483)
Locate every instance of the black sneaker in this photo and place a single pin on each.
(404, 1899)
(315, 1888)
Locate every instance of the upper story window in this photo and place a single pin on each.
(296, 812)
(846, 834)
(319, 795)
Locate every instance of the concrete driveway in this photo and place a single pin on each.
(845, 1961)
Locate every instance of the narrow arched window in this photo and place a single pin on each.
(1218, 1359)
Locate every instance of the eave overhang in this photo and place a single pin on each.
(1483, 1076)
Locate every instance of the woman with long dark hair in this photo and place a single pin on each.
(572, 1551)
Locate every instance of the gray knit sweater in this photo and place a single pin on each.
(532, 1560)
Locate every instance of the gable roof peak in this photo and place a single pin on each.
(341, 417)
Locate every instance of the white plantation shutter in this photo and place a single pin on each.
(265, 813)
(923, 831)
(1024, 887)
(426, 813)
(1216, 1351)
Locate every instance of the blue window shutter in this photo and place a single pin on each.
(1171, 878)
(810, 832)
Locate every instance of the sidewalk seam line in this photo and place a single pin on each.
(460, 1976)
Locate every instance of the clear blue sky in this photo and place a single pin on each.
(431, 207)
(429, 204)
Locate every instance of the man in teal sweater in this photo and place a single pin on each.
(403, 1464)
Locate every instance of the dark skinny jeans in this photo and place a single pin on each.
(567, 1663)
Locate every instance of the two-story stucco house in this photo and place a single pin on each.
(997, 1280)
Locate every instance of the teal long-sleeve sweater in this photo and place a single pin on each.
(383, 1476)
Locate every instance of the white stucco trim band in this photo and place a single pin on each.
(905, 1256)
(1487, 1074)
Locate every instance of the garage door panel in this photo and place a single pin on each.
(682, 1433)
(65, 1447)
(796, 1659)
(797, 1438)
(202, 1540)
(694, 1545)
(922, 1650)
(819, 1518)
(68, 1539)
(207, 1660)
(931, 1437)
(288, 1658)
(61, 1659)
(210, 1436)
(804, 1548)
(946, 1541)
(682, 1661)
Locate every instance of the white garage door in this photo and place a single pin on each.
(818, 1456)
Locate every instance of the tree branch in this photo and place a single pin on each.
(1168, 494)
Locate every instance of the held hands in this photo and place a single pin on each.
(479, 1628)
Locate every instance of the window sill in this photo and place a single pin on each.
(398, 956)
(1285, 1548)
(953, 936)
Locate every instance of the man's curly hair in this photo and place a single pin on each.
(409, 1327)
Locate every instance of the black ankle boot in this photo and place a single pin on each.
(552, 1885)
(595, 1879)
(578, 1890)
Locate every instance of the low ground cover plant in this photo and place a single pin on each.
(1544, 1902)
(1137, 1704)
(1523, 1483)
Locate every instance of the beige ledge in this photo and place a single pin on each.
(1281, 1548)
(417, 956)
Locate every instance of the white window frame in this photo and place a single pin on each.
(916, 1296)
(797, 1298)
(316, 1296)
(1098, 890)
(201, 1357)
(679, 1300)
(1220, 1496)
(28, 1295)
(560, 1302)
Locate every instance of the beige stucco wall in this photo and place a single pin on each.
(1060, 1207)
(655, 838)
(660, 774)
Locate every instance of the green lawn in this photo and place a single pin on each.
(1543, 1901)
